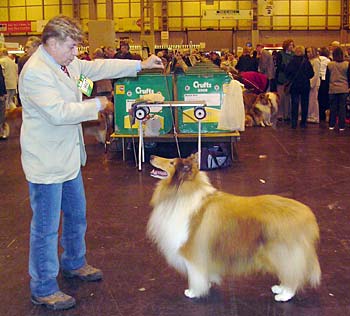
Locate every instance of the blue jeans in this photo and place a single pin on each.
(47, 201)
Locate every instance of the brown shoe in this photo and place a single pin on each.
(55, 301)
(85, 273)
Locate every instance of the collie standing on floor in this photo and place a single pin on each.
(338, 79)
(206, 234)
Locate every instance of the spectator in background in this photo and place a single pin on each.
(30, 47)
(85, 55)
(3, 132)
(273, 83)
(101, 87)
(10, 71)
(253, 80)
(333, 46)
(215, 58)
(323, 98)
(246, 62)
(229, 63)
(180, 63)
(109, 52)
(338, 79)
(255, 61)
(283, 58)
(315, 81)
(124, 52)
(266, 64)
(299, 72)
(14, 57)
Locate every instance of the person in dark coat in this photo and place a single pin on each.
(246, 62)
(299, 72)
(282, 59)
(124, 52)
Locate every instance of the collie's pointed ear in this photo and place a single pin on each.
(194, 158)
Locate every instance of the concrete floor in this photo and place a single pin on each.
(312, 166)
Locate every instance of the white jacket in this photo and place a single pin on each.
(10, 71)
(51, 135)
(315, 81)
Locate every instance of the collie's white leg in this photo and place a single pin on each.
(276, 289)
(198, 283)
(283, 294)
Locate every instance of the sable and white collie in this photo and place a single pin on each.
(265, 109)
(262, 110)
(206, 234)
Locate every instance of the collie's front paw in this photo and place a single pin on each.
(284, 296)
(189, 293)
(276, 289)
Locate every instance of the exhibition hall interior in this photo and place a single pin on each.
(216, 169)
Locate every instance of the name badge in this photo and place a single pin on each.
(85, 85)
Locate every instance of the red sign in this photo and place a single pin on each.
(15, 27)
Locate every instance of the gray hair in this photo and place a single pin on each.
(61, 27)
(34, 41)
(299, 50)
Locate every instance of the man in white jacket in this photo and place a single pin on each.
(53, 151)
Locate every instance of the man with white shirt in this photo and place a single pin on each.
(51, 86)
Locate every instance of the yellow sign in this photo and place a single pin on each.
(120, 89)
(227, 14)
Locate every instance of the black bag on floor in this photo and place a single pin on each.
(215, 157)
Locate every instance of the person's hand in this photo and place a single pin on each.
(103, 102)
(152, 62)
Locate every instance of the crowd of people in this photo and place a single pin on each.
(316, 91)
(313, 79)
